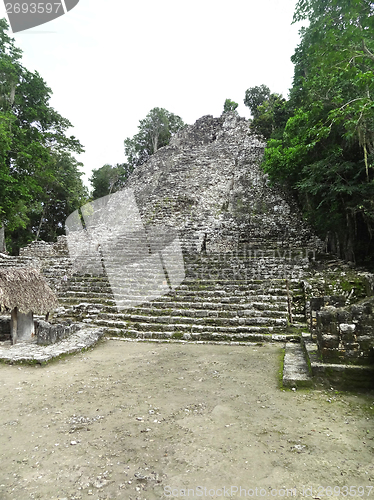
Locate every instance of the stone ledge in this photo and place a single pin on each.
(31, 353)
(209, 337)
(341, 376)
(176, 341)
(296, 371)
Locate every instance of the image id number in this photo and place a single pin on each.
(33, 8)
(336, 491)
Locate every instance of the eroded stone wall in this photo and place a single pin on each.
(346, 334)
(47, 334)
(43, 249)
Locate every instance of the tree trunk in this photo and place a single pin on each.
(2, 239)
(41, 222)
(14, 325)
(155, 142)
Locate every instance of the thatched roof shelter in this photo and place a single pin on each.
(27, 290)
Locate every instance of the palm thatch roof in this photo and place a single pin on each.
(26, 289)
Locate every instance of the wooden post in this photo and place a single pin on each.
(14, 325)
(2, 239)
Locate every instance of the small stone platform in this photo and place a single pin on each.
(295, 369)
(31, 353)
(340, 376)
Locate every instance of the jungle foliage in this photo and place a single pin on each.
(320, 142)
(229, 105)
(109, 179)
(155, 131)
(40, 182)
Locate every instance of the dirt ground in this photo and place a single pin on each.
(147, 421)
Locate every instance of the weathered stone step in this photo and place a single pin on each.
(238, 300)
(192, 286)
(261, 335)
(255, 266)
(165, 308)
(213, 318)
(197, 287)
(262, 302)
(228, 304)
(249, 262)
(247, 281)
(196, 313)
(107, 300)
(85, 289)
(229, 326)
(120, 257)
(251, 252)
(161, 304)
(181, 295)
(94, 283)
(299, 319)
(84, 295)
(219, 292)
(136, 259)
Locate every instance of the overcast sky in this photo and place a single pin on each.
(110, 62)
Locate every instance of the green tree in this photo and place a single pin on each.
(326, 151)
(271, 116)
(229, 106)
(33, 141)
(155, 131)
(109, 179)
(63, 192)
(255, 96)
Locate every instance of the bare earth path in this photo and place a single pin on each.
(147, 421)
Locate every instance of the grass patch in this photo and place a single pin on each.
(177, 336)
(295, 330)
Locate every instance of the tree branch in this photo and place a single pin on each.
(350, 102)
(367, 51)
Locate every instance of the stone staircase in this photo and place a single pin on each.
(7, 261)
(252, 294)
(54, 269)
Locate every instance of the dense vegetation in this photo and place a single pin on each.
(40, 183)
(321, 141)
(109, 179)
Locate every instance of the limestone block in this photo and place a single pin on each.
(326, 320)
(25, 327)
(347, 331)
(330, 341)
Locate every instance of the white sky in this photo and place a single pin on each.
(110, 62)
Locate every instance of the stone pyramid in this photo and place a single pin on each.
(208, 184)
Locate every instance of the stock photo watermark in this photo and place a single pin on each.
(107, 237)
(29, 13)
(241, 492)
(227, 491)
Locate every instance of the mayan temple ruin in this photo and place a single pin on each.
(229, 257)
